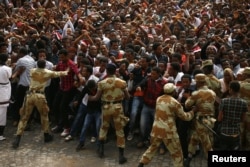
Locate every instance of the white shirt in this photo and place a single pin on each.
(28, 62)
(5, 87)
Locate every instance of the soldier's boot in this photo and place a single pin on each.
(140, 164)
(16, 142)
(47, 137)
(122, 159)
(187, 162)
(100, 150)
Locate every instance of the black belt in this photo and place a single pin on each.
(4, 83)
(111, 102)
(4, 102)
(35, 91)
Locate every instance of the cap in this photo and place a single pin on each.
(246, 70)
(196, 49)
(111, 66)
(200, 78)
(169, 88)
(82, 42)
(207, 63)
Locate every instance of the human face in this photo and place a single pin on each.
(154, 75)
(115, 46)
(143, 62)
(93, 50)
(84, 72)
(171, 71)
(42, 56)
(158, 50)
(185, 83)
(63, 58)
(162, 67)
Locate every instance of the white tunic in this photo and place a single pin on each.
(5, 90)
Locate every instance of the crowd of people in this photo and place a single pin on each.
(177, 71)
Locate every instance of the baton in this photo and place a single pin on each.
(210, 129)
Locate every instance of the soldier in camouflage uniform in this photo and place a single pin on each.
(214, 84)
(203, 98)
(164, 127)
(36, 98)
(112, 91)
(245, 94)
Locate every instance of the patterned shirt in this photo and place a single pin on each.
(203, 99)
(67, 82)
(167, 110)
(152, 90)
(112, 89)
(39, 78)
(232, 109)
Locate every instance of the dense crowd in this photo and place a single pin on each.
(155, 48)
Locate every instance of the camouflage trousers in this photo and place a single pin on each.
(200, 134)
(113, 112)
(173, 146)
(245, 132)
(33, 100)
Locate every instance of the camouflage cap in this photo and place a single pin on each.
(246, 70)
(207, 63)
(169, 88)
(200, 78)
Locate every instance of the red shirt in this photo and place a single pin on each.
(67, 82)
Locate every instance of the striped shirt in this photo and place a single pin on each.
(232, 109)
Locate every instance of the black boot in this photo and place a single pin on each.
(80, 146)
(47, 137)
(187, 162)
(1, 130)
(140, 164)
(1, 133)
(122, 159)
(16, 142)
(100, 150)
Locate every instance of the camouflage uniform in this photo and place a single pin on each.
(164, 129)
(36, 97)
(112, 95)
(213, 83)
(203, 99)
(245, 127)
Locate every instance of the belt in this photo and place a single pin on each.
(4, 83)
(111, 102)
(35, 91)
(234, 135)
(4, 102)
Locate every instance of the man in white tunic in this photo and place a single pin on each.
(5, 89)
